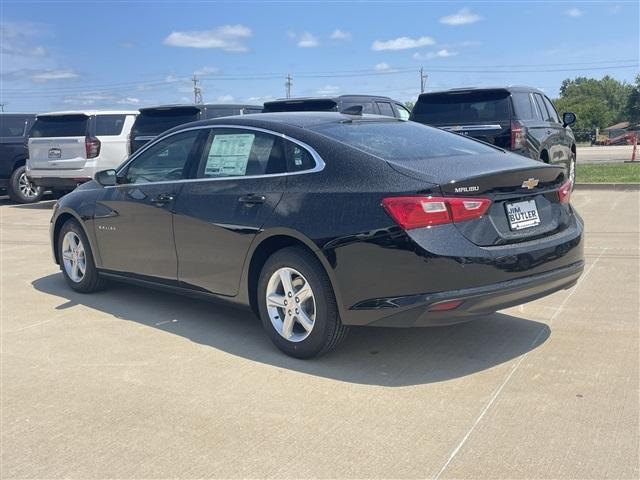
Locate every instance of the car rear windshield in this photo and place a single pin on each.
(11, 126)
(60, 126)
(154, 122)
(463, 108)
(400, 140)
(302, 106)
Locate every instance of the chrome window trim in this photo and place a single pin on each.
(319, 163)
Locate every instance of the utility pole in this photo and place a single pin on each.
(2, 107)
(288, 84)
(197, 91)
(423, 80)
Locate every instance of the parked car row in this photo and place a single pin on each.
(60, 150)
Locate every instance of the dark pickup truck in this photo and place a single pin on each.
(14, 129)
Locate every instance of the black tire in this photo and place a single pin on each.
(17, 194)
(91, 280)
(328, 330)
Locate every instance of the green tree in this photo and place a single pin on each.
(633, 103)
(596, 103)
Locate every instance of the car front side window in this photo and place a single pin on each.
(163, 161)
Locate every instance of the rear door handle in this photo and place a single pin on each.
(163, 199)
(252, 198)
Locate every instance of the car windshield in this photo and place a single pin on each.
(60, 126)
(399, 140)
(463, 107)
(154, 122)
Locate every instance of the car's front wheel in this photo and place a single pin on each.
(297, 305)
(21, 189)
(76, 259)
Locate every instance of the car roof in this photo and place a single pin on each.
(201, 106)
(295, 119)
(335, 98)
(88, 113)
(508, 88)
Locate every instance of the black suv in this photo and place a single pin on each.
(153, 121)
(520, 119)
(14, 128)
(369, 103)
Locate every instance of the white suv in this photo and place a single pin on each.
(68, 148)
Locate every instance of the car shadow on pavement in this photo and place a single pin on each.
(41, 205)
(373, 356)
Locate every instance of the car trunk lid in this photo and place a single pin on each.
(57, 142)
(523, 193)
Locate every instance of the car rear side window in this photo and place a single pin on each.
(545, 114)
(523, 107)
(12, 126)
(386, 109)
(402, 140)
(298, 158)
(60, 126)
(239, 153)
(109, 124)
(164, 161)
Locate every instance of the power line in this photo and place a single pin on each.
(524, 68)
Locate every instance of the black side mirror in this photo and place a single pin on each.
(568, 118)
(106, 178)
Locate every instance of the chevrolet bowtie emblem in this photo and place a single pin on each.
(531, 183)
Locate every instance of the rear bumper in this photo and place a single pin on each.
(413, 311)
(57, 183)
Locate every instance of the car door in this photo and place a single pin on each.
(553, 131)
(133, 219)
(239, 183)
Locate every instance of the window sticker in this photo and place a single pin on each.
(229, 155)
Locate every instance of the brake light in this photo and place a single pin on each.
(420, 211)
(564, 192)
(92, 146)
(518, 135)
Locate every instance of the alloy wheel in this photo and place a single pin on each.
(74, 257)
(27, 188)
(291, 304)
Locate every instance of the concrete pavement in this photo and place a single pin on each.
(131, 383)
(602, 154)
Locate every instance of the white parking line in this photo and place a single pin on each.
(513, 369)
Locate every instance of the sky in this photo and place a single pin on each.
(73, 54)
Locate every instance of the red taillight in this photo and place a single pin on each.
(92, 145)
(419, 211)
(518, 135)
(445, 306)
(564, 192)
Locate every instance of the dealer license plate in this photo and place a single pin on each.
(523, 215)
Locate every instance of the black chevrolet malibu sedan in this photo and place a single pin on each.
(319, 221)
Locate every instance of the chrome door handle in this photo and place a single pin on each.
(163, 198)
(252, 199)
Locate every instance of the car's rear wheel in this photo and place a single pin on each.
(21, 189)
(76, 259)
(297, 305)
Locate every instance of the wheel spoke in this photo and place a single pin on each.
(275, 300)
(287, 326)
(67, 255)
(304, 293)
(304, 320)
(75, 271)
(285, 278)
